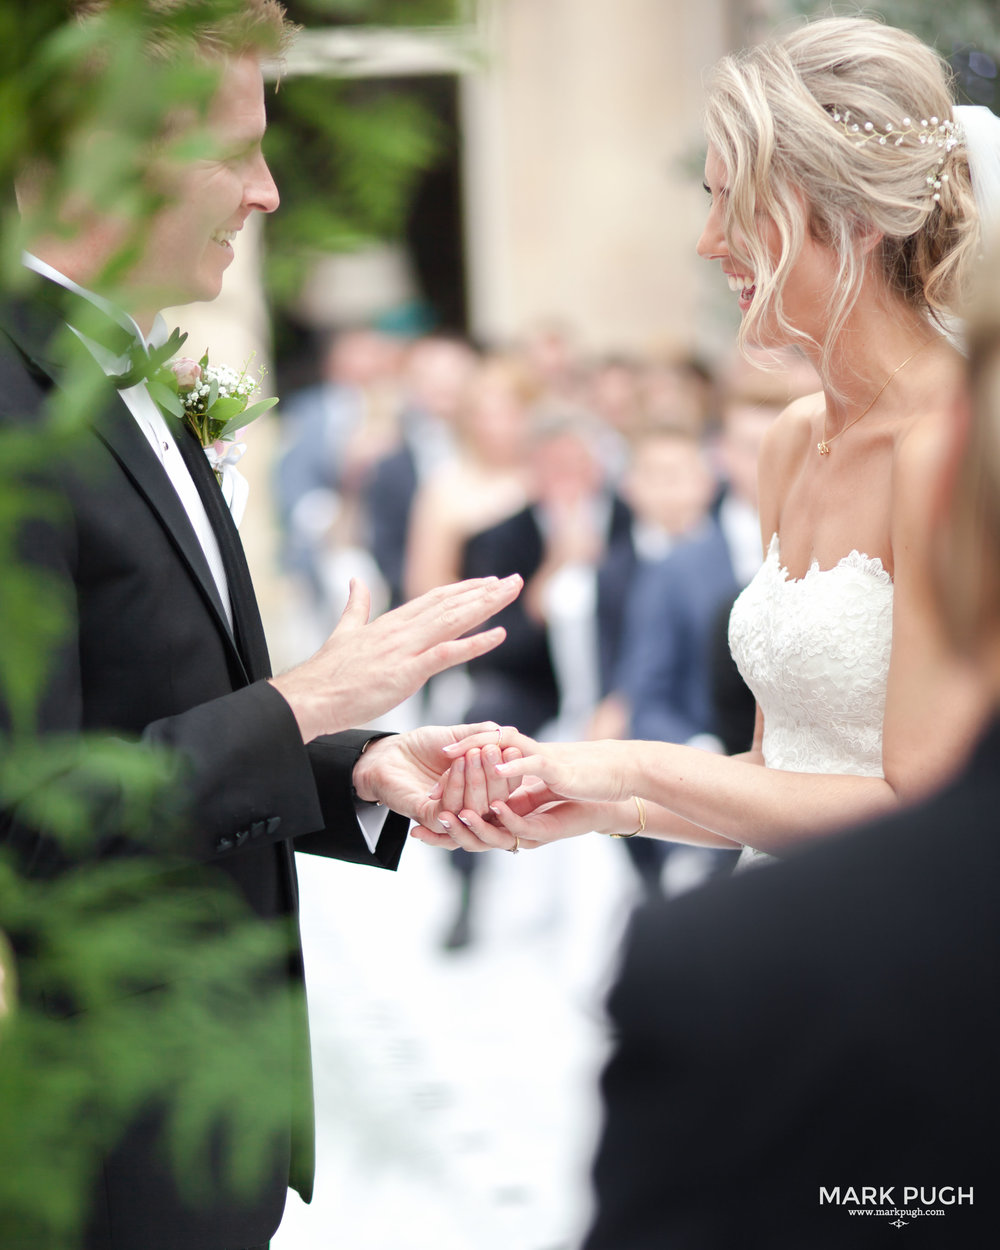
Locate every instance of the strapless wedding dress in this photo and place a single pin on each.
(815, 652)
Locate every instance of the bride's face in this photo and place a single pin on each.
(808, 285)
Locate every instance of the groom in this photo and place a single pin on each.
(164, 642)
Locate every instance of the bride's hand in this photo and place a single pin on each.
(573, 770)
(535, 814)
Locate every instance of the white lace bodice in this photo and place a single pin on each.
(815, 653)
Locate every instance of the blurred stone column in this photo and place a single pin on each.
(582, 154)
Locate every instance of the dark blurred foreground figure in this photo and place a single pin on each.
(848, 995)
(163, 644)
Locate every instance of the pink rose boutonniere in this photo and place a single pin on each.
(213, 400)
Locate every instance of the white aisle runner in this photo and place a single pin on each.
(457, 1093)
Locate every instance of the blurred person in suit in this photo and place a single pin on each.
(333, 433)
(435, 379)
(666, 676)
(669, 485)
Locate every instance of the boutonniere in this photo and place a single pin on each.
(213, 400)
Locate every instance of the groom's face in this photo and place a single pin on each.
(191, 241)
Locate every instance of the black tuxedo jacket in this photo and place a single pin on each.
(148, 655)
(829, 1022)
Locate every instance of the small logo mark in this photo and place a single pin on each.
(900, 1223)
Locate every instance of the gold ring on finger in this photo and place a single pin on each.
(517, 843)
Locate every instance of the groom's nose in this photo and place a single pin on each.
(260, 194)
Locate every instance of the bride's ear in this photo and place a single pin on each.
(868, 239)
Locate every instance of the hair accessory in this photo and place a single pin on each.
(933, 133)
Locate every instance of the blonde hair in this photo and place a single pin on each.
(210, 27)
(770, 118)
(967, 558)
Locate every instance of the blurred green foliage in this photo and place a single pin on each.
(347, 153)
(93, 1025)
(377, 12)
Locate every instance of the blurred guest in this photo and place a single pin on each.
(666, 670)
(666, 676)
(572, 545)
(481, 483)
(669, 486)
(333, 432)
(677, 388)
(613, 395)
(435, 380)
(551, 353)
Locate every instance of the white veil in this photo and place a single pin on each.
(982, 143)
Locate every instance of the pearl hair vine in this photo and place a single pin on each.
(934, 133)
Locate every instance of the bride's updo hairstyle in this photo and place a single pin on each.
(844, 128)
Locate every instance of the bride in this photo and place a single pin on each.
(843, 217)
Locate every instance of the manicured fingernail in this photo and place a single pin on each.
(451, 748)
(445, 825)
(465, 822)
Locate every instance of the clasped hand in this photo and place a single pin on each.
(504, 789)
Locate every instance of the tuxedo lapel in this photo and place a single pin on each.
(117, 429)
(35, 328)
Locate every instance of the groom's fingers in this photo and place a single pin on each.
(449, 611)
(432, 837)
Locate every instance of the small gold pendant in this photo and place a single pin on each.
(823, 448)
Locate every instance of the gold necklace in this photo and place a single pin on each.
(823, 446)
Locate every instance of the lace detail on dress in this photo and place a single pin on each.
(815, 652)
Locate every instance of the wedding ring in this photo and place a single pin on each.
(516, 846)
(500, 737)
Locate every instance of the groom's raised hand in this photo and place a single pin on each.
(365, 668)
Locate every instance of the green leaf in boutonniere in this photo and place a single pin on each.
(213, 400)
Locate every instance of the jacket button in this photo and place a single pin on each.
(243, 835)
(256, 829)
(273, 824)
(224, 844)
